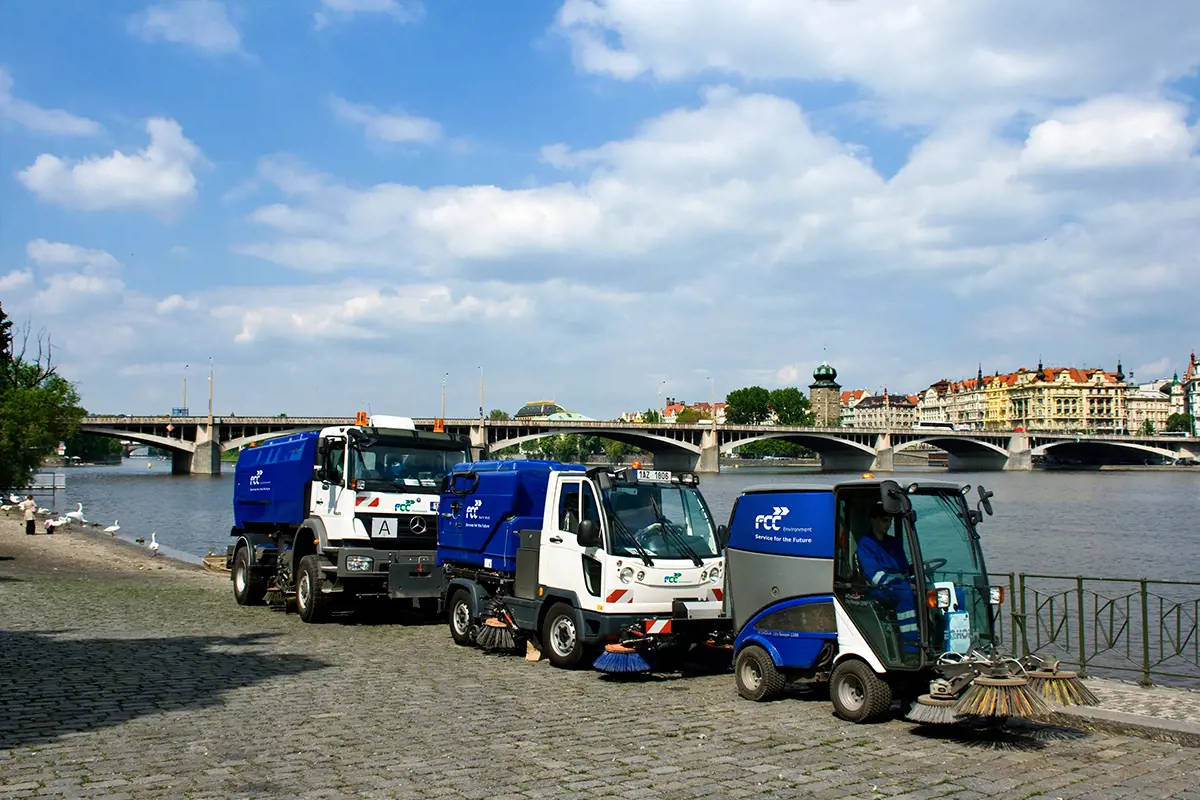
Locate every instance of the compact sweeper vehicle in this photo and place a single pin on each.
(569, 559)
(879, 593)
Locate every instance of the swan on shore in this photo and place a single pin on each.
(153, 542)
(77, 515)
(112, 529)
(12, 498)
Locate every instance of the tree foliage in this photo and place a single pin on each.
(791, 407)
(778, 448)
(1179, 423)
(499, 414)
(690, 416)
(94, 448)
(748, 406)
(1147, 428)
(38, 408)
(652, 417)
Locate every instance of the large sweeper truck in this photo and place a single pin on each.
(875, 593)
(324, 517)
(570, 559)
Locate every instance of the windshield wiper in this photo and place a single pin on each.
(679, 537)
(620, 527)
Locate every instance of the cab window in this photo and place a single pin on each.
(568, 508)
(335, 462)
(591, 506)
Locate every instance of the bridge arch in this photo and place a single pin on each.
(241, 441)
(819, 443)
(956, 445)
(1098, 448)
(164, 442)
(637, 438)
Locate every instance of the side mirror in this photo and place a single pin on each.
(588, 534)
(320, 473)
(723, 536)
(323, 448)
(985, 499)
(895, 500)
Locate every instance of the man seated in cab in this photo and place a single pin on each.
(886, 568)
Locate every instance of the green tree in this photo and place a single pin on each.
(94, 448)
(780, 448)
(651, 417)
(1147, 428)
(748, 406)
(791, 406)
(38, 408)
(1179, 423)
(499, 414)
(615, 451)
(689, 416)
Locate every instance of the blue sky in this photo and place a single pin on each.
(340, 201)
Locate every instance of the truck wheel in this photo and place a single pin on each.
(561, 637)
(756, 676)
(460, 618)
(312, 604)
(249, 589)
(858, 694)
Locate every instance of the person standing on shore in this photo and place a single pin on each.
(28, 506)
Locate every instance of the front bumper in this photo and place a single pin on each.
(406, 573)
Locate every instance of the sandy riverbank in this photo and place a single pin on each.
(76, 549)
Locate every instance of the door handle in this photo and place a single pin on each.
(556, 539)
(320, 502)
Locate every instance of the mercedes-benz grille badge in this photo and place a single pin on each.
(417, 525)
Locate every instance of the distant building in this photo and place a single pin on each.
(546, 410)
(849, 401)
(1149, 402)
(824, 395)
(885, 411)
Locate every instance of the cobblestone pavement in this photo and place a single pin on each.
(134, 684)
(1161, 702)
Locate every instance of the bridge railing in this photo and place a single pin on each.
(1120, 626)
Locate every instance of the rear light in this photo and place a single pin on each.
(938, 598)
(995, 595)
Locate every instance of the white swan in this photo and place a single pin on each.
(77, 516)
(111, 529)
(5, 507)
(12, 498)
(153, 542)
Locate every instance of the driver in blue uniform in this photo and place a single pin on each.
(885, 566)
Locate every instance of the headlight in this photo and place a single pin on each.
(704, 576)
(626, 575)
(359, 563)
(641, 574)
(995, 595)
(938, 598)
(714, 574)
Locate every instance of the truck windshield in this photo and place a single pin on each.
(953, 559)
(666, 521)
(400, 467)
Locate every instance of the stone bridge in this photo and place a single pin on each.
(197, 442)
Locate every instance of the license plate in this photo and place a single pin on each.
(654, 475)
(383, 527)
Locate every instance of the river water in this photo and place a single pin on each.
(1102, 524)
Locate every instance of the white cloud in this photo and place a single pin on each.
(67, 278)
(402, 11)
(156, 177)
(1153, 370)
(16, 281)
(921, 58)
(175, 302)
(59, 255)
(387, 127)
(41, 120)
(201, 24)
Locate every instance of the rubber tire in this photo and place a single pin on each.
(254, 586)
(769, 683)
(575, 658)
(876, 693)
(460, 597)
(317, 608)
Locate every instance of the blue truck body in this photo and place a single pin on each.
(271, 481)
(485, 504)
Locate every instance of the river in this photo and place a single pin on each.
(1096, 523)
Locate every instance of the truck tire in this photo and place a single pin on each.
(756, 675)
(858, 694)
(311, 602)
(460, 618)
(561, 637)
(249, 588)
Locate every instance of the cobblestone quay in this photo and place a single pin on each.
(126, 675)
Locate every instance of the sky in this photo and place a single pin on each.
(349, 204)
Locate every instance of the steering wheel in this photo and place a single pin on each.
(933, 565)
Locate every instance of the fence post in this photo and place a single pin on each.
(1145, 635)
(1082, 642)
(1012, 611)
(1024, 620)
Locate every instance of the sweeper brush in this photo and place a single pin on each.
(495, 634)
(1061, 687)
(619, 659)
(1000, 697)
(930, 710)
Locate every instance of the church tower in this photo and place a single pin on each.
(825, 395)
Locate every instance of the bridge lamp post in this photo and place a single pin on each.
(185, 366)
(444, 376)
(658, 409)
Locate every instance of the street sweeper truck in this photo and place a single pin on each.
(567, 559)
(876, 592)
(346, 512)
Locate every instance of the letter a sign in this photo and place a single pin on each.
(383, 528)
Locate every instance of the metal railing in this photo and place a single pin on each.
(1099, 625)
